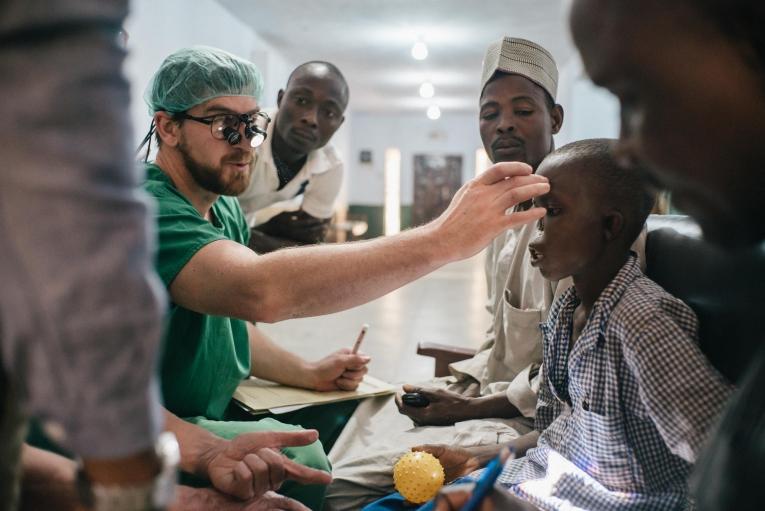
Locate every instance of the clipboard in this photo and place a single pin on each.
(261, 396)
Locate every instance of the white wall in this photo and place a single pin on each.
(590, 112)
(411, 133)
(157, 28)
(342, 142)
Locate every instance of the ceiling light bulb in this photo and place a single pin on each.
(427, 90)
(419, 51)
(433, 112)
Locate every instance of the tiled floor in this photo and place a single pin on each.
(446, 306)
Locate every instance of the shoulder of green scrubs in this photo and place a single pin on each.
(204, 357)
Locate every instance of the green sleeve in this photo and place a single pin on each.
(182, 232)
(239, 230)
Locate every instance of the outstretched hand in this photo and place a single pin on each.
(478, 211)
(251, 464)
(457, 462)
(342, 370)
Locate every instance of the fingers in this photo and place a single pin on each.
(356, 361)
(411, 412)
(430, 393)
(274, 502)
(435, 449)
(519, 189)
(513, 195)
(350, 382)
(347, 385)
(276, 471)
(501, 171)
(241, 485)
(355, 374)
(504, 454)
(518, 181)
(275, 439)
(350, 357)
(261, 479)
(351, 377)
(451, 501)
(353, 361)
(523, 217)
(305, 475)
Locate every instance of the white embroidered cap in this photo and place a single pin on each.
(522, 57)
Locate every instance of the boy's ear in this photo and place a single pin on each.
(613, 225)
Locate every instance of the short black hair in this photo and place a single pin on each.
(625, 189)
(549, 101)
(333, 70)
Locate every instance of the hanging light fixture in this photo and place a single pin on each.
(419, 50)
(433, 112)
(427, 90)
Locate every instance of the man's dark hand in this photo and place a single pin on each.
(296, 225)
(453, 498)
(288, 229)
(445, 407)
(457, 462)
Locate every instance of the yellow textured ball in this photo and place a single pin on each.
(418, 476)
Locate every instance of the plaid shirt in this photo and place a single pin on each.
(624, 415)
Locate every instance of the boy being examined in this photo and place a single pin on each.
(626, 397)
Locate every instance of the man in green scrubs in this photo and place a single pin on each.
(205, 113)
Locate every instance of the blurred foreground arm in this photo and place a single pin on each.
(48, 482)
(82, 307)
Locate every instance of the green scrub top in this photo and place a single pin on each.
(204, 357)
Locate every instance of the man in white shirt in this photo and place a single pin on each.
(297, 174)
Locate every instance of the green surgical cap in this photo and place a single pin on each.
(194, 75)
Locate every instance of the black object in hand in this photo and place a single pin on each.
(415, 399)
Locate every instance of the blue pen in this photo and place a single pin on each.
(486, 482)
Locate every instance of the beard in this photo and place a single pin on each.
(213, 179)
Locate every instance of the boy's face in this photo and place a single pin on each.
(571, 233)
